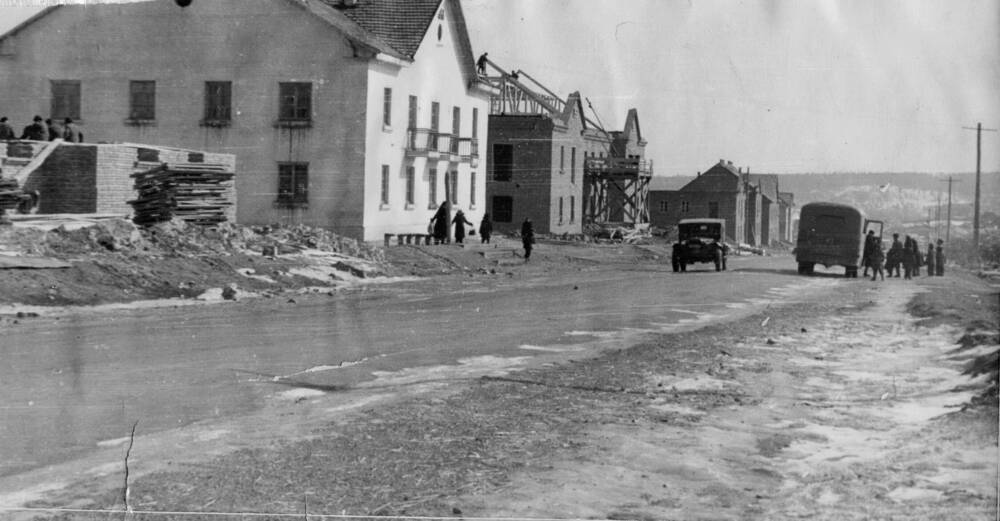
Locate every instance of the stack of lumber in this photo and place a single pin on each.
(194, 192)
(10, 194)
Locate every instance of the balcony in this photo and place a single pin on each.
(425, 142)
(619, 166)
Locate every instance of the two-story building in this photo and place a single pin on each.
(356, 115)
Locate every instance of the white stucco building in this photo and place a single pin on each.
(356, 115)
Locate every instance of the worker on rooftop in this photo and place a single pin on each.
(6, 131)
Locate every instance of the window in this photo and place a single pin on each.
(560, 210)
(435, 122)
(572, 165)
(472, 190)
(503, 208)
(385, 184)
(663, 206)
(387, 107)
(453, 186)
(685, 207)
(65, 99)
(503, 162)
(572, 208)
(713, 209)
(475, 123)
(293, 183)
(432, 188)
(411, 175)
(296, 101)
(456, 124)
(218, 101)
(411, 115)
(142, 100)
(562, 159)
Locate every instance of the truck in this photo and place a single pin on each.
(832, 234)
(700, 240)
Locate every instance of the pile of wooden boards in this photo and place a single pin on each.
(194, 192)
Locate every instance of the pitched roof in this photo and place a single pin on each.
(401, 24)
(768, 184)
(787, 197)
(663, 183)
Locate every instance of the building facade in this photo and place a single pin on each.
(362, 119)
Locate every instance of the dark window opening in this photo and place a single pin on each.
(65, 99)
(503, 208)
(293, 183)
(503, 162)
(296, 101)
(218, 101)
(387, 107)
(142, 100)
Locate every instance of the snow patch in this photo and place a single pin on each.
(474, 367)
(300, 393)
(113, 443)
(550, 349)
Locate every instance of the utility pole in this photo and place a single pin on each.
(947, 230)
(975, 212)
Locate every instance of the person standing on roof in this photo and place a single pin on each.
(481, 64)
(36, 131)
(70, 133)
(6, 131)
(55, 131)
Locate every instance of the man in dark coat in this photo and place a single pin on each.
(909, 256)
(460, 221)
(939, 258)
(527, 238)
(894, 257)
(36, 131)
(866, 254)
(6, 131)
(930, 260)
(55, 131)
(441, 222)
(485, 229)
(876, 259)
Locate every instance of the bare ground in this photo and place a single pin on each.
(840, 409)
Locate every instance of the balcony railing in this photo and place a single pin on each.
(619, 165)
(425, 142)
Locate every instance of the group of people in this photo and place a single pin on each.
(905, 255)
(43, 130)
(440, 224)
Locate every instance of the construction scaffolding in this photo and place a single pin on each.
(615, 187)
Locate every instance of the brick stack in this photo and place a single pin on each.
(194, 192)
(10, 194)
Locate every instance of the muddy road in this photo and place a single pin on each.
(78, 381)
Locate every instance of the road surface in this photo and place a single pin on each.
(74, 383)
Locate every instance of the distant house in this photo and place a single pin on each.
(356, 115)
(756, 213)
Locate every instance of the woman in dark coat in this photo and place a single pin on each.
(460, 222)
(930, 260)
(440, 223)
(939, 259)
(485, 228)
(527, 238)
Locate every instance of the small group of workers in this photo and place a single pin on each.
(42, 130)
(442, 221)
(905, 254)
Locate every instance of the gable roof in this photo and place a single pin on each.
(768, 184)
(401, 24)
(632, 123)
(663, 183)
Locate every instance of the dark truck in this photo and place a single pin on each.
(832, 234)
(700, 240)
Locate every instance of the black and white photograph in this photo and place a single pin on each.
(499, 260)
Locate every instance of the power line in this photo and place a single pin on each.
(979, 153)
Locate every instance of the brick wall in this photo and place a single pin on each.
(66, 180)
(530, 185)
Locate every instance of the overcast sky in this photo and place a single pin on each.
(779, 86)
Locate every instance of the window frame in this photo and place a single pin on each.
(387, 107)
(212, 115)
(294, 172)
(432, 175)
(411, 181)
(142, 103)
(502, 171)
(72, 108)
(294, 99)
(384, 186)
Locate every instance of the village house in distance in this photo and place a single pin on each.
(756, 212)
(355, 115)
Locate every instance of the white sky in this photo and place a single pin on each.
(777, 85)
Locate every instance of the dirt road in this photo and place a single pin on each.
(821, 399)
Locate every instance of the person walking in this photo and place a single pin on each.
(908, 257)
(440, 223)
(930, 260)
(939, 258)
(877, 258)
(485, 229)
(894, 257)
(527, 237)
(36, 131)
(6, 131)
(918, 259)
(70, 133)
(460, 221)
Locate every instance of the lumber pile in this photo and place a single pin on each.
(194, 192)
